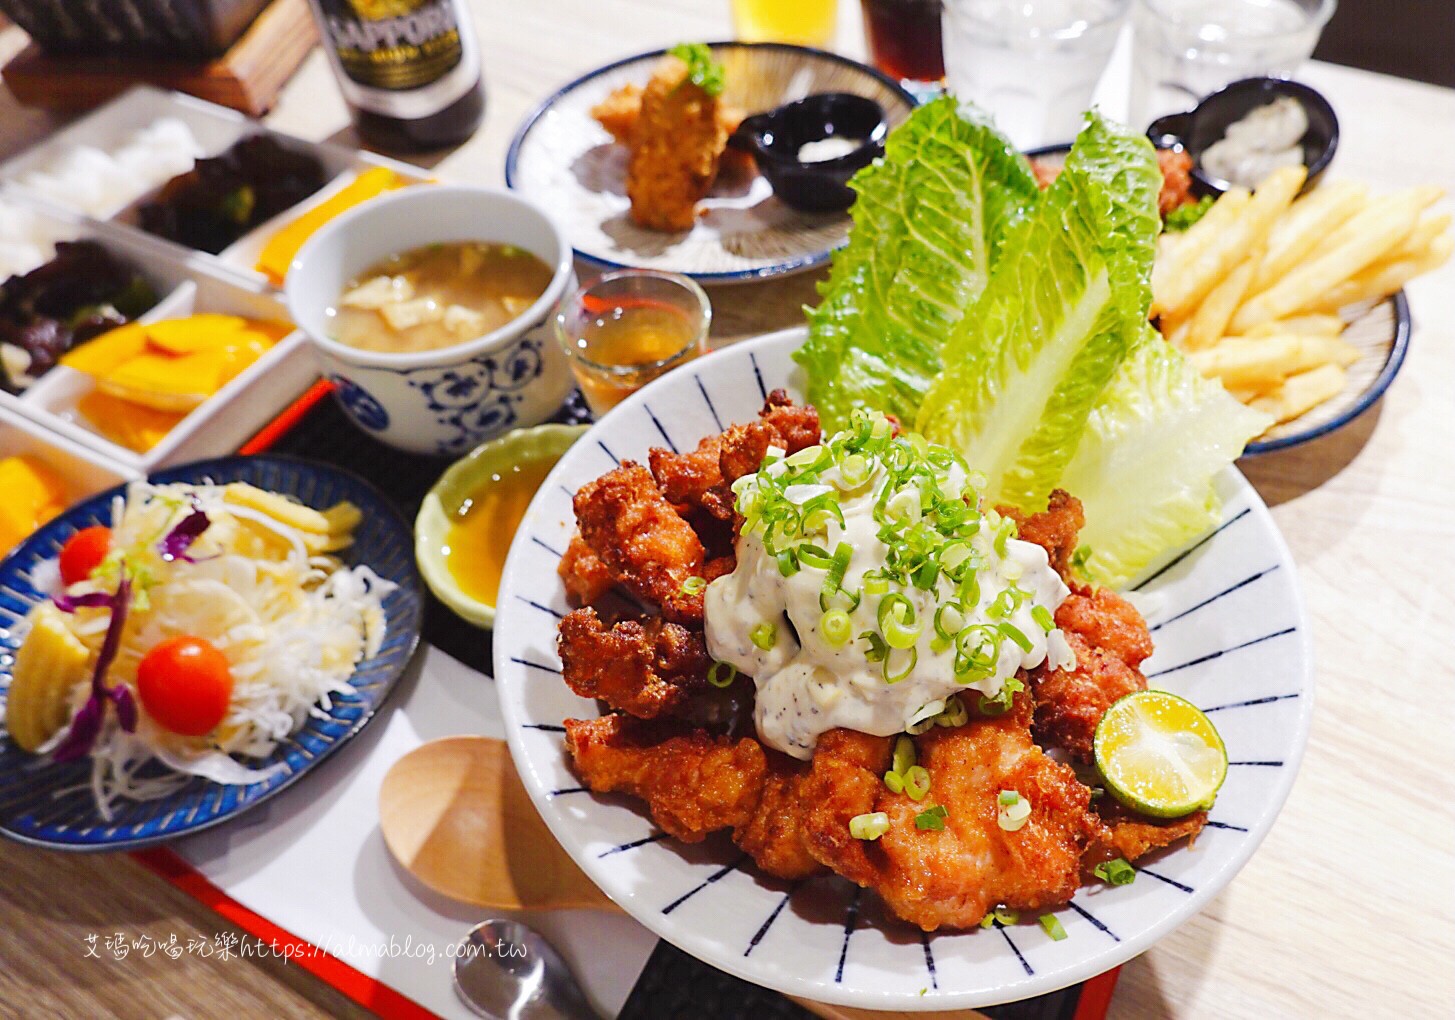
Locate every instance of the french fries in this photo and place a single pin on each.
(1256, 291)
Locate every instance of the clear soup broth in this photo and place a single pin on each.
(437, 296)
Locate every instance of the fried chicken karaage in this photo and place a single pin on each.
(646, 533)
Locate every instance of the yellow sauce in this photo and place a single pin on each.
(480, 534)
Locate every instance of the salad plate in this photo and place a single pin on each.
(563, 159)
(43, 803)
(1231, 635)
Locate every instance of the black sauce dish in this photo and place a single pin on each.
(775, 138)
(1196, 130)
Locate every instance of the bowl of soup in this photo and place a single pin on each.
(429, 309)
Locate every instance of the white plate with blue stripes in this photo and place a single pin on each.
(1231, 633)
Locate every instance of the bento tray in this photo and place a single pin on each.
(216, 128)
(186, 284)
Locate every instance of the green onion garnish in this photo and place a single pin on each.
(878, 650)
(835, 578)
(764, 636)
(894, 781)
(1012, 817)
(955, 714)
(1043, 616)
(893, 676)
(1017, 635)
(869, 826)
(931, 818)
(722, 674)
(904, 755)
(1116, 872)
(1008, 797)
(897, 621)
(1052, 924)
(836, 628)
(916, 782)
(787, 563)
(693, 585)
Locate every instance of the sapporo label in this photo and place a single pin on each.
(394, 44)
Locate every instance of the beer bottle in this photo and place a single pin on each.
(409, 69)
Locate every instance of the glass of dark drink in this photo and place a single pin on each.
(904, 38)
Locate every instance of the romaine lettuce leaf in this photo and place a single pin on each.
(929, 222)
(1145, 466)
(1066, 302)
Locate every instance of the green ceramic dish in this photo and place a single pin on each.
(464, 478)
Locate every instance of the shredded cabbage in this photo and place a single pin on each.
(292, 621)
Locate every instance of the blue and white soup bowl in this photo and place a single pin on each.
(444, 401)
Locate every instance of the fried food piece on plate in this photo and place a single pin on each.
(644, 542)
(586, 578)
(952, 877)
(645, 668)
(1130, 835)
(1110, 640)
(1070, 702)
(1054, 529)
(693, 783)
(773, 835)
(619, 111)
(675, 148)
(1107, 621)
(845, 780)
(702, 477)
(781, 423)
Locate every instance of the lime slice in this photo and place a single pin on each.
(1160, 755)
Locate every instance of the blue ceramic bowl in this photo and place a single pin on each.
(39, 802)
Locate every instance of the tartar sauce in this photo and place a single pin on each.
(826, 149)
(897, 505)
(1265, 139)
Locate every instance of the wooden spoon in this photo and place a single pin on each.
(455, 815)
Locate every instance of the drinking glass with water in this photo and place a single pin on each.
(1033, 64)
(1185, 49)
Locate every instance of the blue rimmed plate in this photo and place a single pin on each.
(1381, 333)
(1231, 635)
(568, 163)
(40, 803)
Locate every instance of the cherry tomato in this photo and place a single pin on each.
(83, 553)
(185, 684)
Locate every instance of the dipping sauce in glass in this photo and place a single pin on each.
(486, 521)
(628, 328)
(437, 296)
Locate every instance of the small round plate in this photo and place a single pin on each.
(50, 805)
(1232, 636)
(568, 163)
(1380, 331)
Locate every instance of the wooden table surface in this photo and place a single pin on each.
(1348, 907)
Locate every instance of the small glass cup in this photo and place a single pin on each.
(1184, 50)
(628, 328)
(802, 22)
(1032, 64)
(904, 40)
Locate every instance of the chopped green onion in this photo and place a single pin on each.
(904, 755)
(876, 585)
(1003, 534)
(897, 621)
(787, 563)
(931, 818)
(1017, 635)
(892, 676)
(1012, 817)
(894, 781)
(1000, 704)
(693, 585)
(835, 579)
(1116, 872)
(836, 628)
(1081, 558)
(715, 674)
(1043, 616)
(869, 826)
(922, 726)
(855, 470)
(1052, 924)
(804, 457)
(813, 556)
(916, 782)
(954, 715)
(878, 650)
(764, 636)
(1006, 916)
(1008, 797)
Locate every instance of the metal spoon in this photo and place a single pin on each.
(508, 971)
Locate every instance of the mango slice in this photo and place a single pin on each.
(30, 494)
